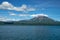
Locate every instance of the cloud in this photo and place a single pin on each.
(9, 6)
(35, 15)
(32, 15)
(24, 15)
(2, 19)
(12, 14)
(6, 5)
(8, 19)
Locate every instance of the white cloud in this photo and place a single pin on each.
(32, 15)
(31, 9)
(6, 5)
(35, 15)
(9, 6)
(26, 15)
(23, 15)
(11, 19)
(12, 14)
(8, 19)
(1, 19)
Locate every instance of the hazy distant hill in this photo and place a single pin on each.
(1, 22)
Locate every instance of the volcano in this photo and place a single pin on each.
(40, 20)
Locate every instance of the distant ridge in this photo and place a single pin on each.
(38, 20)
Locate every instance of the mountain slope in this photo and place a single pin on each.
(42, 19)
(39, 20)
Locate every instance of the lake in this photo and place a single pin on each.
(11, 32)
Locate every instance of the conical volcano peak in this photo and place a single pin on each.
(42, 18)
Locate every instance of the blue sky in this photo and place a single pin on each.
(26, 9)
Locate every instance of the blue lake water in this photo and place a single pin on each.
(11, 32)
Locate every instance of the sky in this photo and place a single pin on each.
(14, 10)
